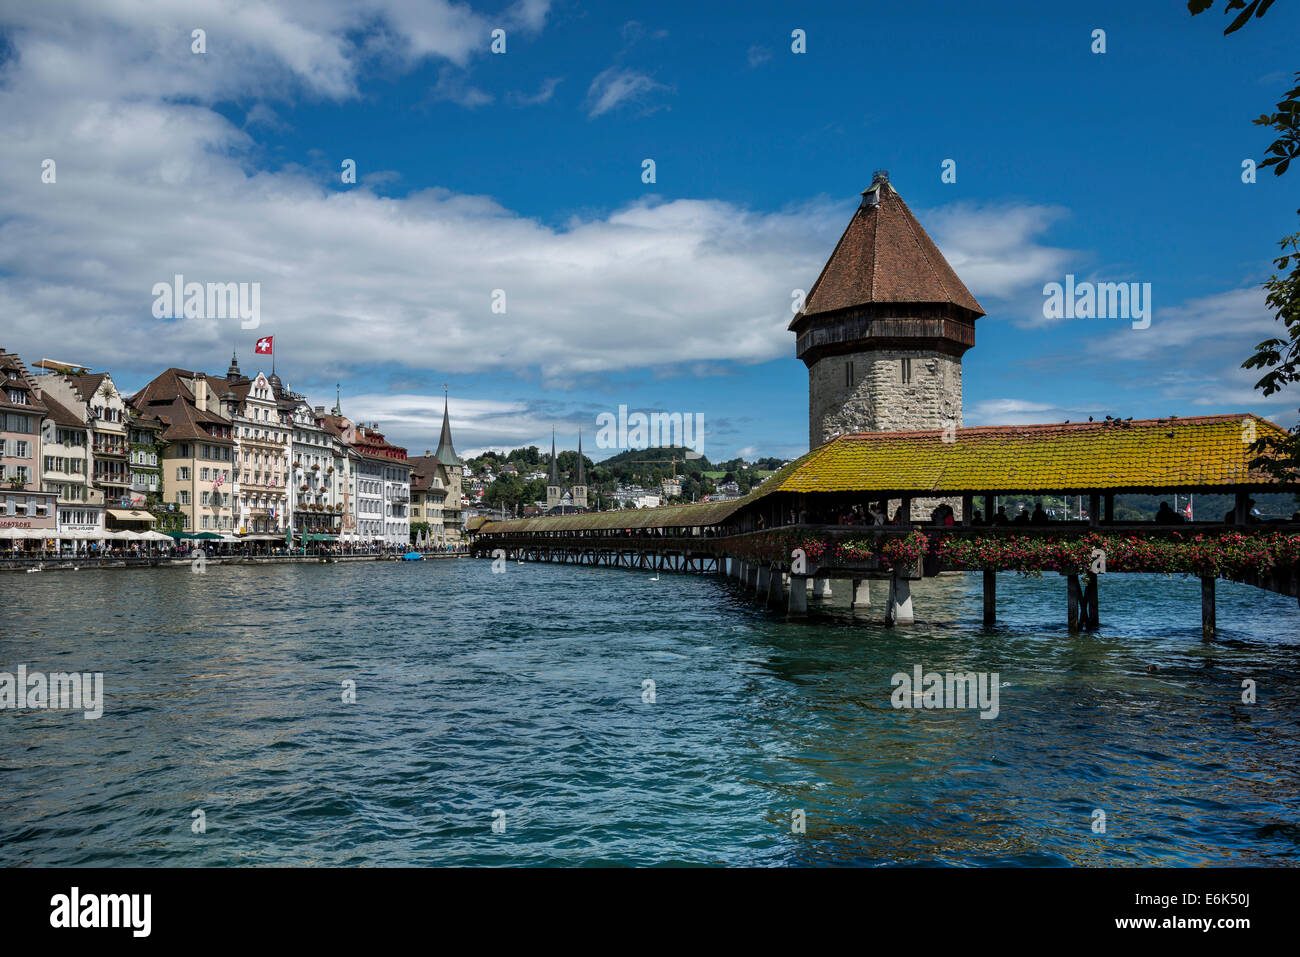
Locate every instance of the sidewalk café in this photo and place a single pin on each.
(48, 542)
(129, 519)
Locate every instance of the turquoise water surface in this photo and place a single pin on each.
(522, 693)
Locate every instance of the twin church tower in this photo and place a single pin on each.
(555, 497)
(884, 327)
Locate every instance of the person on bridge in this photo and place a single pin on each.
(1167, 516)
(1252, 514)
(1001, 517)
(1039, 517)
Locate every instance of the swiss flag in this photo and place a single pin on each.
(263, 347)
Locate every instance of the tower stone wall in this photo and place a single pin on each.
(871, 391)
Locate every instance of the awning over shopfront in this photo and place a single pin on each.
(312, 537)
(130, 515)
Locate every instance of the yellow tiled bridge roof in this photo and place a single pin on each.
(1204, 453)
(1148, 454)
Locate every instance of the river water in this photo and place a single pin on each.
(518, 699)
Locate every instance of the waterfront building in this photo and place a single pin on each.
(317, 481)
(76, 387)
(25, 505)
(199, 453)
(66, 468)
(883, 329)
(262, 433)
(379, 483)
(440, 485)
(428, 495)
(144, 437)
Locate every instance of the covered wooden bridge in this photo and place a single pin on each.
(814, 521)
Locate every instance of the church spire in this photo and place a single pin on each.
(446, 451)
(233, 372)
(554, 480)
(582, 471)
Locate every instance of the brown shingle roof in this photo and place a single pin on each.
(24, 382)
(172, 401)
(87, 385)
(885, 256)
(62, 415)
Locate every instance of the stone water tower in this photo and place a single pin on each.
(884, 327)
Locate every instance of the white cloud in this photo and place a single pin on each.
(455, 87)
(998, 250)
(142, 48)
(152, 183)
(616, 86)
(1231, 322)
(1014, 412)
(758, 55)
(543, 94)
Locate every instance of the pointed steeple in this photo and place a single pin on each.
(338, 399)
(554, 480)
(446, 451)
(233, 372)
(582, 471)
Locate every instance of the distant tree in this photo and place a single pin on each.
(506, 490)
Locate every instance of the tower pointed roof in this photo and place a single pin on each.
(554, 480)
(582, 471)
(886, 257)
(446, 451)
(233, 371)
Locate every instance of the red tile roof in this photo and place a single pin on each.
(885, 256)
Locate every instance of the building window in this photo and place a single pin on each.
(905, 370)
(848, 375)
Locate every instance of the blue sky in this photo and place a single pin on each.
(522, 172)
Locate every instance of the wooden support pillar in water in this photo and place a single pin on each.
(762, 580)
(861, 597)
(1072, 616)
(990, 597)
(798, 601)
(899, 609)
(1091, 613)
(776, 588)
(1208, 623)
(821, 588)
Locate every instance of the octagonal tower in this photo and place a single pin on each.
(884, 327)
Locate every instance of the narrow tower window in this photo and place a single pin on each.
(848, 375)
(905, 370)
